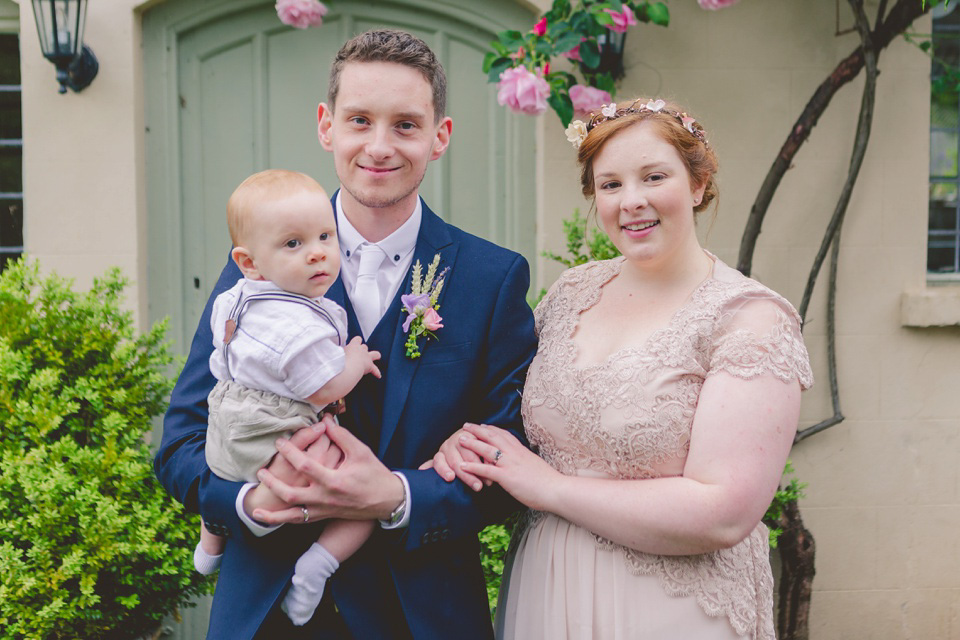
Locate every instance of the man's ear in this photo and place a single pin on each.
(442, 141)
(242, 258)
(324, 124)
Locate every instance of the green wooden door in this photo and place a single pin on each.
(230, 91)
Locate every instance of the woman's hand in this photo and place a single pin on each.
(448, 460)
(521, 472)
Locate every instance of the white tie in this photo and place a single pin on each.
(366, 293)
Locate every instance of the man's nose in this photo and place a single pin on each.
(380, 146)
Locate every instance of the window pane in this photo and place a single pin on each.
(11, 170)
(10, 126)
(9, 58)
(943, 206)
(11, 223)
(942, 260)
(943, 154)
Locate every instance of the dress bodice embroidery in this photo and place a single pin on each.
(631, 415)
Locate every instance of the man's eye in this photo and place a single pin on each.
(359, 120)
(407, 126)
(292, 244)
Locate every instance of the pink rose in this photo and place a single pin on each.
(301, 13)
(586, 99)
(540, 28)
(626, 19)
(523, 91)
(713, 5)
(574, 54)
(432, 320)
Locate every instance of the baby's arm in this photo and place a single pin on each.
(358, 361)
(342, 538)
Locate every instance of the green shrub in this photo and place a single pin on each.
(91, 546)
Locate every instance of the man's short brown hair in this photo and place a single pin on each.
(391, 45)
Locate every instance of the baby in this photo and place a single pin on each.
(280, 356)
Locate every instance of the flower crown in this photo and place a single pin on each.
(578, 130)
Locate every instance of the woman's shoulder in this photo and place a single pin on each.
(737, 291)
(591, 272)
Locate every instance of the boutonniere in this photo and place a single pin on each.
(421, 305)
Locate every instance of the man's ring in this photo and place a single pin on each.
(497, 456)
(306, 515)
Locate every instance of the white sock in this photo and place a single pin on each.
(204, 562)
(313, 569)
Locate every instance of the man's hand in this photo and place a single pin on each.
(319, 447)
(360, 488)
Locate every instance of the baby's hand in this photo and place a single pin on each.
(356, 349)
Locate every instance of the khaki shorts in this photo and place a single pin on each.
(244, 425)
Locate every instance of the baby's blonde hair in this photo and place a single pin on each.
(271, 184)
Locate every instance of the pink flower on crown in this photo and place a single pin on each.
(714, 5)
(523, 91)
(609, 110)
(301, 14)
(586, 99)
(687, 122)
(621, 20)
(540, 28)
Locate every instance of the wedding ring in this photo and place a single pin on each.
(497, 456)
(306, 515)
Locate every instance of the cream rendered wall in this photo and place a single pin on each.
(884, 492)
(884, 487)
(83, 172)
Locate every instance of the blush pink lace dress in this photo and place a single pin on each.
(631, 417)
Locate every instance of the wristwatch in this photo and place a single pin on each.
(397, 514)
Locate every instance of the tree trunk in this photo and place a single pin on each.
(797, 550)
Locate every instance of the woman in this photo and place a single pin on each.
(663, 402)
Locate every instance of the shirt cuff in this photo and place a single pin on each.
(405, 519)
(255, 527)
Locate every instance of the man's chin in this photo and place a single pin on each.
(379, 200)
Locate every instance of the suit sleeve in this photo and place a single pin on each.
(442, 510)
(180, 463)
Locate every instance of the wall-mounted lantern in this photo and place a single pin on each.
(611, 53)
(60, 26)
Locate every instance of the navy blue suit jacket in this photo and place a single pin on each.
(429, 572)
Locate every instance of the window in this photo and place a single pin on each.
(11, 151)
(943, 241)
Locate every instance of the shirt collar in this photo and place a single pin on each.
(399, 243)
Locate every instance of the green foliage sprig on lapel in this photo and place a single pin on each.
(91, 546)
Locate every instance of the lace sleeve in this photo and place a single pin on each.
(544, 308)
(759, 333)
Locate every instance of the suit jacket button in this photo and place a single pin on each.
(426, 538)
(445, 534)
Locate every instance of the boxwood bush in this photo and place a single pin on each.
(91, 546)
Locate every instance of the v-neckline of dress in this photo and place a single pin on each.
(615, 266)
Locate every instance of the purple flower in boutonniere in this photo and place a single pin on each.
(421, 305)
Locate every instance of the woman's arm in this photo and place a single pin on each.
(742, 433)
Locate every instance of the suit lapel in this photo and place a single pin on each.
(433, 238)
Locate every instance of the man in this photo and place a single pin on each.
(419, 575)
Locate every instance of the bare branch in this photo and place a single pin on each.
(901, 16)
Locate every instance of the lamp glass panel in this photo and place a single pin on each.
(60, 25)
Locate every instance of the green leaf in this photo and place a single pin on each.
(566, 42)
(604, 19)
(543, 46)
(926, 45)
(561, 104)
(659, 14)
(499, 66)
(499, 48)
(590, 53)
(511, 39)
(488, 61)
(605, 81)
